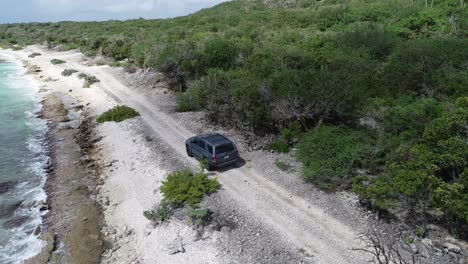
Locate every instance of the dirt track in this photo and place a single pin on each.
(296, 220)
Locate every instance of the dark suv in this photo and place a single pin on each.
(218, 150)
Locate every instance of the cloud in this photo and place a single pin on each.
(135, 5)
(112, 6)
(60, 10)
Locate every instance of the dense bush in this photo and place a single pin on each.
(431, 173)
(429, 67)
(331, 155)
(118, 114)
(185, 187)
(118, 49)
(308, 62)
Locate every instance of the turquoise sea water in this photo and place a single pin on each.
(22, 157)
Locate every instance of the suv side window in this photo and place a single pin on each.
(210, 148)
(200, 143)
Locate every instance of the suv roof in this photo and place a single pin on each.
(215, 139)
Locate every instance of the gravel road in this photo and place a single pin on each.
(296, 220)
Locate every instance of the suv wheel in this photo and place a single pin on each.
(189, 152)
(209, 167)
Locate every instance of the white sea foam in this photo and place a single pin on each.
(22, 244)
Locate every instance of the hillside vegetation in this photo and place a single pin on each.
(374, 94)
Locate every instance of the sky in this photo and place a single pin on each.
(13, 11)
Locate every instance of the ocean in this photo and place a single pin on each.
(23, 155)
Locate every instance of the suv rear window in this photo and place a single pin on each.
(224, 148)
(210, 148)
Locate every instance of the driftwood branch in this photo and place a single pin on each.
(385, 248)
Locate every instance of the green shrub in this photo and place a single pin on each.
(376, 192)
(57, 61)
(184, 103)
(34, 54)
(82, 75)
(407, 116)
(220, 53)
(430, 173)
(377, 43)
(282, 165)
(292, 133)
(331, 154)
(429, 67)
(90, 80)
(118, 49)
(409, 240)
(149, 214)
(204, 165)
(185, 187)
(196, 96)
(200, 216)
(279, 146)
(420, 232)
(118, 114)
(115, 64)
(163, 213)
(68, 72)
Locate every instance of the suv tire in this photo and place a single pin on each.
(189, 152)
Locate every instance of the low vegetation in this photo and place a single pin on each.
(185, 187)
(279, 146)
(311, 72)
(118, 114)
(204, 165)
(282, 165)
(88, 80)
(149, 214)
(200, 216)
(162, 214)
(57, 61)
(68, 72)
(34, 54)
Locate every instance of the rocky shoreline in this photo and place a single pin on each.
(71, 228)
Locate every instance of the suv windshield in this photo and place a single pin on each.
(224, 148)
